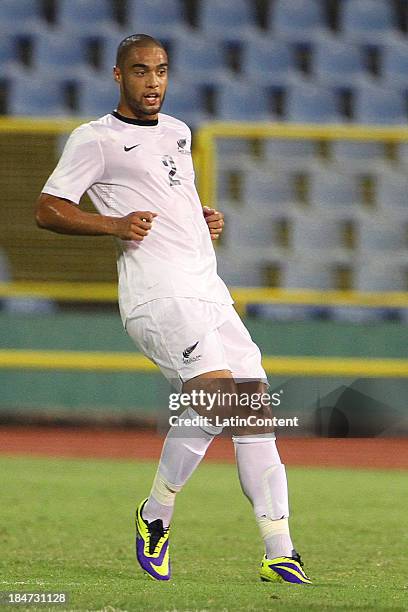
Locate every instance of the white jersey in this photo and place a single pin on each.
(127, 165)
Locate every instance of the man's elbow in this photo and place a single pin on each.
(41, 218)
(43, 214)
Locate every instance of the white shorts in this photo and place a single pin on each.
(186, 337)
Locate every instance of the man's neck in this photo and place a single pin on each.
(132, 121)
(125, 111)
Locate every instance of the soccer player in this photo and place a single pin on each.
(135, 163)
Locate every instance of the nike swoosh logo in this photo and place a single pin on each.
(162, 569)
(130, 148)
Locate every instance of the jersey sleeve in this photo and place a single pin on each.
(80, 166)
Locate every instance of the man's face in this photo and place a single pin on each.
(143, 80)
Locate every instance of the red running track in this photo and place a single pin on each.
(384, 453)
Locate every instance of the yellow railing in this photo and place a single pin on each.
(107, 292)
(207, 151)
(96, 361)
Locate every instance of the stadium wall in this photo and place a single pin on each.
(69, 390)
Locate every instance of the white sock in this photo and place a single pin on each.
(276, 536)
(160, 504)
(183, 450)
(263, 480)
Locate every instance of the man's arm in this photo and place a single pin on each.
(64, 217)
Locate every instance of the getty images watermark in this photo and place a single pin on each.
(222, 406)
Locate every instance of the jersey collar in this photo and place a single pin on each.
(134, 121)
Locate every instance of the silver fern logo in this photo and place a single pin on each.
(187, 358)
(181, 144)
(187, 352)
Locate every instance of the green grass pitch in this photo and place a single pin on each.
(67, 525)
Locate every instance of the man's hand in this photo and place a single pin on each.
(135, 226)
(215, 221)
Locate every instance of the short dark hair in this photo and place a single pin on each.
(135, 40)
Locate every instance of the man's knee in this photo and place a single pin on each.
(253, 411)
(213, 395)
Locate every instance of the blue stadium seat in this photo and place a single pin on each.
(280, 312)
(223, 186)
(97, 96)
(20, 16)
(290, 153)
(249, 271)
(61, 53)
(185, 102)
(334, 190)
(357, 155)
(316, 233)
(380, 274)
(308, 102)
(296, 20)
(367, 20)
(265, 190)
(378, 233)
(403, 313)
(394, 64)
(197, 60)
(35, 95)
(108, 47)
(239, 232)
(392, 192)
(402, 152)
(87, 16)
(8, 50)
(373, 104)
(272, 61)
(360, 315)
(232, 151)
(306, 272)
(30, 306)
(155, 17)
(242, 102)
(227, 19)
(336, 62)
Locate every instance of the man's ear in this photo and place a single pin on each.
(116, 74)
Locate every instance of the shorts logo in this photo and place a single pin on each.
(181, 146)
(187, 352)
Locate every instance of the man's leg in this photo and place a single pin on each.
(183, 450)
(263, 480)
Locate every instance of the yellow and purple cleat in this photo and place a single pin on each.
(284, 569)
(152, 546)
